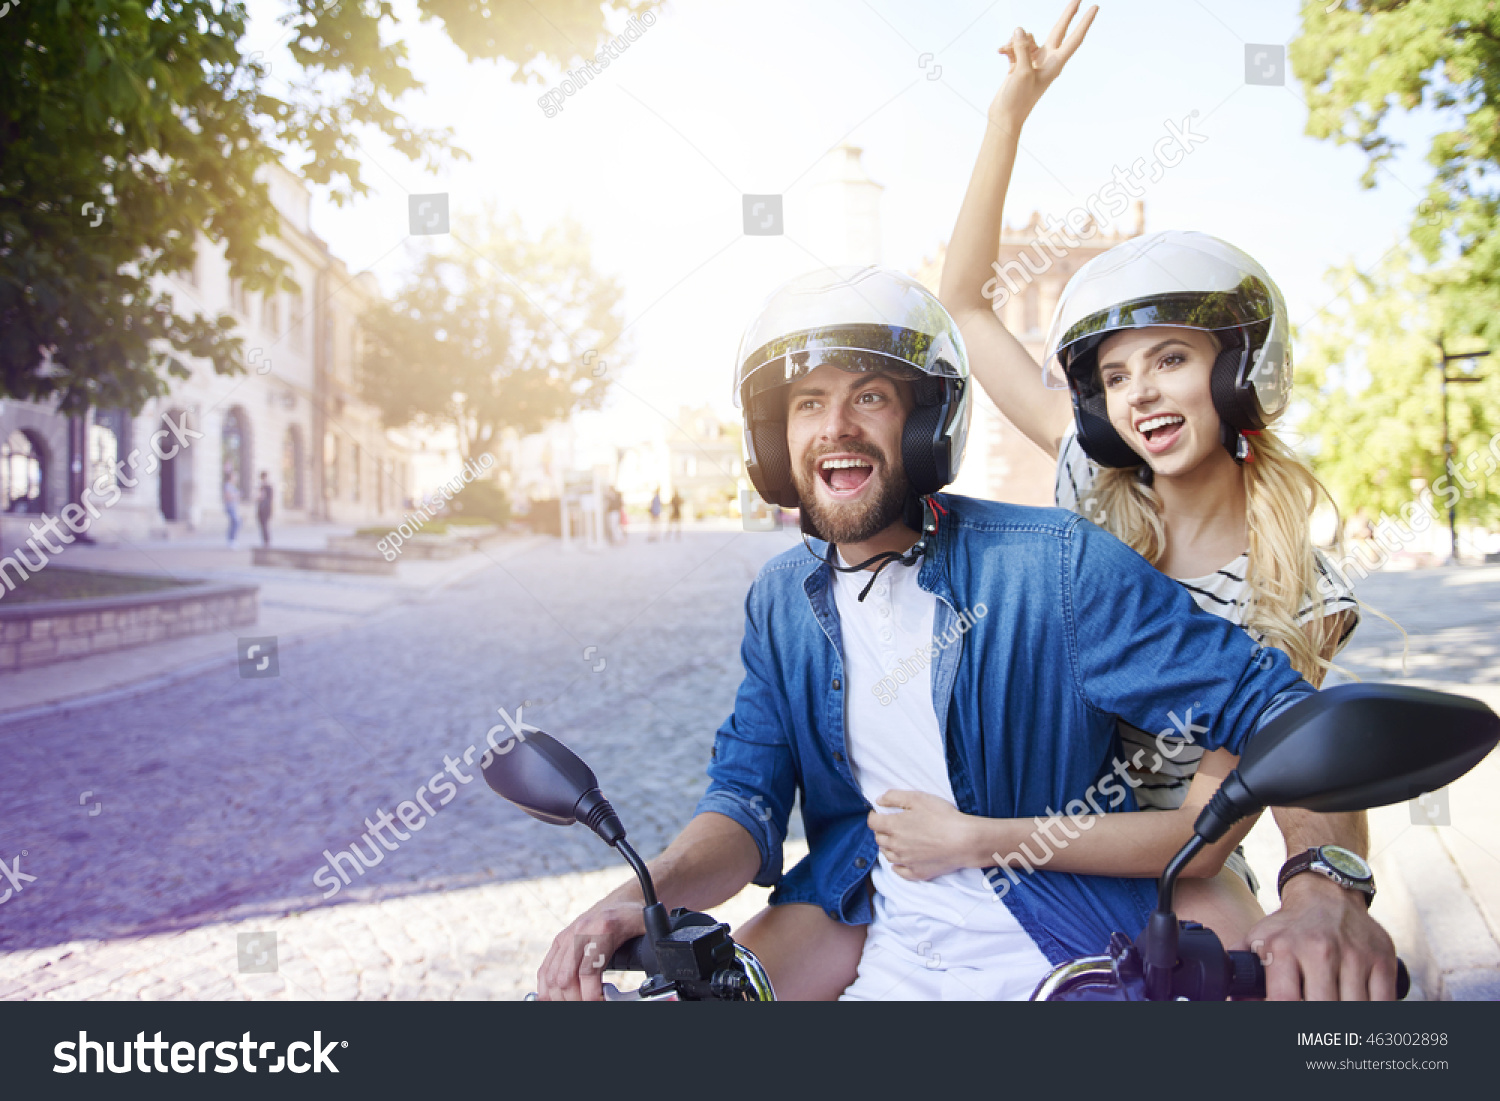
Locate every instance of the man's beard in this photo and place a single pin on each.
(854, 521)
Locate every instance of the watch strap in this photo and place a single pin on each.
(1311, 860)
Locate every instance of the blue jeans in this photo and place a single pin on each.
(234, 520)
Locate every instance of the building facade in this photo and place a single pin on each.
(295, 415)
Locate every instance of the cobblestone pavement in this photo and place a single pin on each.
(166, 830)
(161, 828)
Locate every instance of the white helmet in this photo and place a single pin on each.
(1188, 280)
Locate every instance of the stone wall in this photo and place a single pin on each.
(60, 630)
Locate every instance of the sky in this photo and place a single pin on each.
(722, 98)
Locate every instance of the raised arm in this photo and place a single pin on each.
(1001, 364)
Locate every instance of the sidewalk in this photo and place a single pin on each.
(294, 605)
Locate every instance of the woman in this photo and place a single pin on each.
(1194, 482)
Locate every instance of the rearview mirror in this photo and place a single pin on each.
(542, 776)
(1352, 747)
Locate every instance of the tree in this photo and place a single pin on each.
(129, 127)
(1373, 421)
(493, 330)
(1361, 59)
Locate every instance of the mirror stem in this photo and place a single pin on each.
(642, 873)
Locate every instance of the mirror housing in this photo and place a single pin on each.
(1352, 747)
(551, 783)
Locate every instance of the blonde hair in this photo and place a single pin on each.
(1281, 492)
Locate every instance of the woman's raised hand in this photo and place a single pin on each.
(1034, 68)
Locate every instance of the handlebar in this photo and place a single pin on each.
(1248, 976)
(630, 956)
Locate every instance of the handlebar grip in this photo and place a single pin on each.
(1248, 976)
(630, 956)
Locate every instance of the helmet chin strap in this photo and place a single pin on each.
(930, 511)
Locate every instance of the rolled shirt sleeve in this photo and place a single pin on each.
(752, 772)
(1144, 651)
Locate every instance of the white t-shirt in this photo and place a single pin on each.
(950, 937)
(1224, 593)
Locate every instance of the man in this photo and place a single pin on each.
(264, 502)
(1040, 629)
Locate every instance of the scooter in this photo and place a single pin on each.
(1347, 748)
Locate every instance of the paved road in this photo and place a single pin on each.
(213, 800)
(217, 797)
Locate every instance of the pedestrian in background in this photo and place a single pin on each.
(674, 519)
(655, 515)
(264, 499)
(231, 502)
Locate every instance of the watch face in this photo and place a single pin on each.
(1345, 862)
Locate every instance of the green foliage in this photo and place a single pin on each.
(493, 330)
(154, 114)
(481, 500)
(1368, 375)
(1366, 58)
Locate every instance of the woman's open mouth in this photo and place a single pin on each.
(844, 478)
(1161, 432)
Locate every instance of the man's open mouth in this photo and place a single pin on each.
(845, 477)
(1161, 431)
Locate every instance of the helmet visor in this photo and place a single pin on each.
(1179, 279)
(867, 320)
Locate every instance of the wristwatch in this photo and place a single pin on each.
(1349, 870)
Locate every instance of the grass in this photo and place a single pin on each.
(55, 583)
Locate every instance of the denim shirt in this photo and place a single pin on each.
(1078, 629)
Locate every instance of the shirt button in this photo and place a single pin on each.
(885, 633)
(836, 684)
(885, 610)
(861, 862)
(837, 756)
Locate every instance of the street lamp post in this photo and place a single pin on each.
(1446, 359)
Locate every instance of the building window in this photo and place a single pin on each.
(298, 320)
(330, 466)
(271, 314)
(236, 451)
(291, 468)
(104, 452)
(118, 422)
(354, 473)
(238, 300)
(23, 474)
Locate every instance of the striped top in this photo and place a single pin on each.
(1223, 593)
